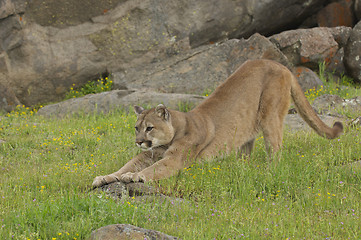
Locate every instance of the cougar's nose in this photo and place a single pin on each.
(139, 142)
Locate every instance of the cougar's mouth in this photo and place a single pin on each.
(145, 145)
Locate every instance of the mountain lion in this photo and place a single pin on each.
(254, 98)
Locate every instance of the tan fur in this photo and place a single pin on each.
(254, 98)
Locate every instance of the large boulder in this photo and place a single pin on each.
(200, 69)
(47, 46)
(308, 47)
(336, 14)
(352, 53)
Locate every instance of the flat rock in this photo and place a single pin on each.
(294, 122)
(120, 189)
(330, 104)
(107, 101)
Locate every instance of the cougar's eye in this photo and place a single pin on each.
(148, 129)
(136, 129)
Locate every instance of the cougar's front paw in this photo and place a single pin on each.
(132, 177)
(103, 180)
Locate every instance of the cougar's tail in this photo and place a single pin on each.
(309, 115)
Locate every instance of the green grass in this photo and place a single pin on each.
(47, 166)
(344, 87)
(91, 87)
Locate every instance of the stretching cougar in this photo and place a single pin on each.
(255, 97)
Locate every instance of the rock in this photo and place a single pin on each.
(10, 7)
(107, 101)
(202, 68)
(140, 192)
(336, 64)
(127, 232)
(307, 47)
(47, 46)
(294, 122)
(341, 35)
(234, 19)
(352, 53)
(326, 103)
(329, 104)
(120, 189)
(8, 100)
(307, 78)
(335, 14)
(357, 9)
(354, 104)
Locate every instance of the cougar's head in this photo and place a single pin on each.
(153, 127)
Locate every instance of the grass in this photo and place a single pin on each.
(47, 166)
(343, 87)
(91, 87)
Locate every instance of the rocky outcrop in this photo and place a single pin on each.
(201, 68)
(192, 72)
(127, 232)
(47, 46)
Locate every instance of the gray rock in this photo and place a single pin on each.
(107, 101)
(200, 69)
(326, 103)
(8, 100)
(330, 104)
(140, 192)
(307, 78)
(294, 122)
(127, 232)
(10, 7)
(120, 189)
(341, 35)
(352, 53)
(357, 9)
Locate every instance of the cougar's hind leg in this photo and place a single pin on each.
(273, 133)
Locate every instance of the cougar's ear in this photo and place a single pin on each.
(162, 112)
(138, 110)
